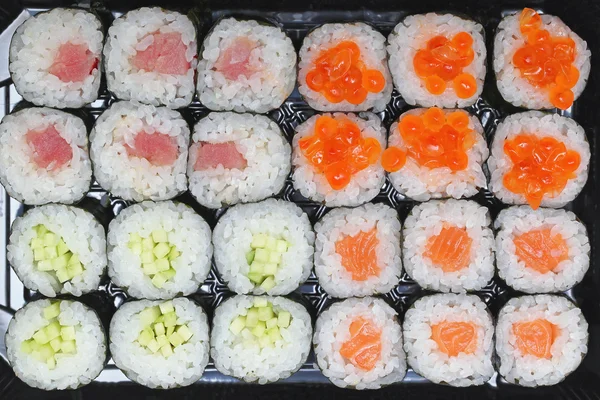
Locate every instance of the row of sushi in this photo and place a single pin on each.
(151, 56)
(141, 152)
(358, 343)
(158, 250)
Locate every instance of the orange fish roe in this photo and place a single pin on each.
(338, 150)
(339, 74)
(536, 337)
(363, 349)
(541, 166)
(546, 61)
(450, 249)
(359, 254)
(443, 61)
(434, 140)
(453, 338)
(541, 250)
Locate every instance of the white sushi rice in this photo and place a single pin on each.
(373, 55)
(540, 124)
(332, 330)
(251, 363)
(20, 175)
(273, 62)
(428, 219)
(81, 232)
(34, 47)
(278, 218)
(125, 39)
(364, 185)
(515, 221)
(182, 368)
(512, 86)
(411, 35)
(339, 223)
(186, 230)
(423, 353)
(135, 178)
(259, 140)
(567, 351)
(71, 371)
(421, 183)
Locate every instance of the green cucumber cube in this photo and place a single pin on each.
(256, 278)
(271, 243)
(41, 230)
(75, 269)
(52, 330)
(148, 244)
(246, 334)
(166, 307)
(268, 283)
(272, 323)
(250, 256)
(51, 362)
(170, 330)
(52, 311)
(63, 275)
(264, 341)
(135, 238)
(153, 346)
(281, 246)
(176, 339)
(274, 334)
(41, 337)
(136, 248)
(74, 260)
(68, 346)
(35, 346)
(62, 248)
(159, 280)
(256, 267)
(260, 301)
(39, 254)
(45, 265)
(173, 254)
(265, 313)
(60, 262)
(162, 340)
(50, 239)
(67, 333)
(161, 250)
(149, 268)
(145, 337)
(252, 317)
(170, 273)
(260, 329)
(274, 257)
(56, 344)
(166, 350)
(185, 332)
(46, 351)
(50, 252)
(162, 264)
(160, 236)
(261, 256)
(37, 243)
(147, 257)
(237, 325)
(159, 329)
(26, 346)
(270, 269)
(170, 319)
(259, 241)
(149, 315)
(283, 319)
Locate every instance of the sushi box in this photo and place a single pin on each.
(297, 19)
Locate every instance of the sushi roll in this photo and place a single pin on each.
(259, 338)
(343, 67)
(541, 251)
(44, 156)
(160, 344)
(538, 159)
(454, 169)
(358, 344)
(56, 344)
(448, 246)
(55, 58)
(336, 158)
(539, 61)
(139, 152)
(540, 340)
(438, 60)
(357, 251)
(57, 249)
(448, 338)
(150, 57)
(158, 250)
(264, 247)
(246, 66)
(237, 158)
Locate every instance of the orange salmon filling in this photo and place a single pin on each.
(434, 140)
(541, 166)
(442, 61)
(339, 74)
(450, 249)
(536, 337)
(359, 255)
(546, 61)
(454, 338)
(541, 250)
(363, 349)
(338, 150)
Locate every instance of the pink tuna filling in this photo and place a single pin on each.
(157, 148)
(210, 155)
(73, 63)
(234, 61)
(50, 150)
(166, 55)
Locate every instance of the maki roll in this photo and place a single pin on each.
(246, 66)
(56, 344)
(44, 156)
(151, 57)
(452, 169)
(540, 340)
(448, 246)
(438, 60)
(336, 158)
(358, 344)
(158, 250)
(448, 338)
(343, 67)
(160, 344)
(55, 57)
(358, 250)
(139, 152)
(264, 247)
(541, 251)
(539, 61)
(538, 159)
(58, 249)
(259, 338)
(237, 158)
